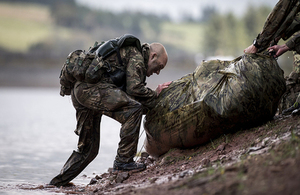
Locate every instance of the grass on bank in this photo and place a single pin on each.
(23, 25)
(187, 36)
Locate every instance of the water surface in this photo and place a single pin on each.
(37, 137)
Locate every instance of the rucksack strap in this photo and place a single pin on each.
(119, 56)
(114, 45)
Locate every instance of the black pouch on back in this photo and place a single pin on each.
(119, 78)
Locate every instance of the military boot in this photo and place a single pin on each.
(291, 109)
(132, 166)
(296, 112)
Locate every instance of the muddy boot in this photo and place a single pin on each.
(291, 109)
(296, 112)
(132, 166)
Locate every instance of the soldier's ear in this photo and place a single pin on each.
(153, 56)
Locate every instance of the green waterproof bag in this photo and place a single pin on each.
(218, 97)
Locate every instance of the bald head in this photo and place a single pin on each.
(160, 51)
(158, 58)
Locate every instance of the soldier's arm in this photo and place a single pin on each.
(135, 79)
(293, 28)
(277, 22)
(294, 43)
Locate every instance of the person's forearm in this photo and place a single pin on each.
(277, 22)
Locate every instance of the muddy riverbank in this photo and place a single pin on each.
(260, 160)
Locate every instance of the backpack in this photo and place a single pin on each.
(91, 66)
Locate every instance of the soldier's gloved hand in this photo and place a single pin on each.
(160, 87)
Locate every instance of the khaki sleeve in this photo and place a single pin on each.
(135, 80)
(294, 43)
(293, 28)
(278, 21)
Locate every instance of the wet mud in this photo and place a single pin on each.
(260, 160)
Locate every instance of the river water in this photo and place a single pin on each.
(37, 137)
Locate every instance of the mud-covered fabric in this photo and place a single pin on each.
(88, 145)
(217, 97)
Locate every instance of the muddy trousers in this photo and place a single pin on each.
(81, 158)
(125, 110)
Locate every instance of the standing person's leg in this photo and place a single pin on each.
(130, 117)
(89, 101)
(297, 72)
(296, 63)
(295, 108)
(88, 129)
(291, 99)
(118, 105)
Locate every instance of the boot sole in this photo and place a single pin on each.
(132, 170)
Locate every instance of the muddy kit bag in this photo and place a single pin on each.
(217, 98)
(90, 66)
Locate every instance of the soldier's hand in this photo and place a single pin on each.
(251, 49)
(278, 50)
(160, 87)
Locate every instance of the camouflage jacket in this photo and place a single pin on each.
(282, 22)
(294, 43)
(135, 65)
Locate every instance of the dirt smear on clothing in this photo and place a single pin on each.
(260, 160)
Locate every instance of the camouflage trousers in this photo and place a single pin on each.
(292, 94)
(90, 102)
(296, 64)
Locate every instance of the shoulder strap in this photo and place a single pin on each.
(129, 40)
(119, 56)
(113, 45)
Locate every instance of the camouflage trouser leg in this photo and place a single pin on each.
(296, 56)
(115, 103)
(130, 117)
(88, 129)
(296, 62)
(297, 70)
(91, 101)
(297, 100)
(290, 97)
